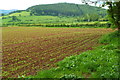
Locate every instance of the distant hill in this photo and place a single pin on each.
(65, 9)
(7, 11)
(57, 15)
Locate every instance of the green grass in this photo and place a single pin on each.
(23, 13)
(47, 21)
(102, 62)
(111, 38)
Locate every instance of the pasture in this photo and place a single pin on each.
(26, 50)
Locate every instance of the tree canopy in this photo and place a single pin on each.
(113, 10)
(65, 9)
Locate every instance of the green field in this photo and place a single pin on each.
(49, 21)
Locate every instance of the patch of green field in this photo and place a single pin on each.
(24, 19)
(23, 13)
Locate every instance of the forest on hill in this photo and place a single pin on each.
(64, 9)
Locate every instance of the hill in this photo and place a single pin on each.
(65, 9)
(57, 15)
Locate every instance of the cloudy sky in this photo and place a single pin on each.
(24, 4)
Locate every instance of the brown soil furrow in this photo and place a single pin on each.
(48, 61)
(39, 50)
(37, 47)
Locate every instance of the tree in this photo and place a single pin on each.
(31, 13)
(19, 14)
(113, 10)
(14, 18)
(2, 14)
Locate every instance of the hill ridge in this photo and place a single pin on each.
(65, 9)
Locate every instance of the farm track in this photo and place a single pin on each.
(35, 53)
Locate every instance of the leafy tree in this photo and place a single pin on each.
(19, 14)
(91, 17)
(14, 18)
(113, 10)
(2, 14)
(31, 14)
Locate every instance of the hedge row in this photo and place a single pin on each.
(62, 25)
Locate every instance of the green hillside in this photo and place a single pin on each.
(57, 15)
(65, 9)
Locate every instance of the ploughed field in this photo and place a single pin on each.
(26, 50)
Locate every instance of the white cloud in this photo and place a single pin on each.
(24, 4)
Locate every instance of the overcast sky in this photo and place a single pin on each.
(24, 4)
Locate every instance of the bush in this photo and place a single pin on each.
(111, 38)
